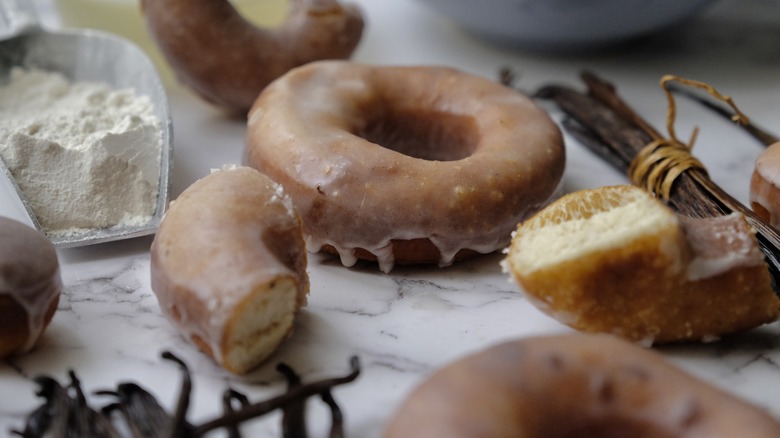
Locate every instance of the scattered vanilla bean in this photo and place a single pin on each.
(336, 417)
(292, 396)
(228, 398)
(294, 414)
(179, 427)
(608, 126)
(141, 413)
(66, 413)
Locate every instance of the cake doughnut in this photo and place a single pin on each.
(618, 260)
(573, 385)
(404, 165)
(228, 266)
(30, 286)
(227, 60)
(765, 184)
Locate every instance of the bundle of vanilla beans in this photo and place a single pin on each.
(604, 123)
(135, 413)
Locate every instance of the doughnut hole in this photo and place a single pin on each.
(419, 133)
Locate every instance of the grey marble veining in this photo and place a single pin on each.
(405, 324)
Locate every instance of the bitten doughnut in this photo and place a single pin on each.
(573, 386)
(30, 286)
(617, 260)
(228, 266)
(404, 165)
(228, 60)
(765, 186)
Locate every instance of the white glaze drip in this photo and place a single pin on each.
(352, 193)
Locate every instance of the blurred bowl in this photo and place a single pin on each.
(566, 24)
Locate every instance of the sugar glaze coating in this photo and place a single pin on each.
(404, 164)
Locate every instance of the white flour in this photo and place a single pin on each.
(85, 155)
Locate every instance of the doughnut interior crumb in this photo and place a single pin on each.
(595, 225)
(259, 324)
(617, 260)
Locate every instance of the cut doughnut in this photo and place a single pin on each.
(617, 260)
(228, 266)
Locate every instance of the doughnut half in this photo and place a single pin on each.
(573, 386)
(404, 165)
(617, 260)
(30, 286)
(228, 266)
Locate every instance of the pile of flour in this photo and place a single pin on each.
(85, 155)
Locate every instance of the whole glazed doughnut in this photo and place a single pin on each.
(765, 186)
(404, 165)
(573, 386)
(228, 266)
(30, 286)
(228, 60)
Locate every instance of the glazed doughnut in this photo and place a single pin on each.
(573, 385)
(764, 184)
(228, 61)
(618, 260)
(30, 286)
(228, 266)
(404, 165)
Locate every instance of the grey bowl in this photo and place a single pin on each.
(565, 24)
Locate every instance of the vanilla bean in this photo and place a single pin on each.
(618, 140)
(609, 127)
(179, 427)
(293, 414)
(336, 417)
(84, 421)
(140, 411)
(228, 398)
(51, 415)
(65, 412)
(290, 397)
(65, 415)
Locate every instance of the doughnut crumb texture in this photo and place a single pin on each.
(404, 165)
(229, 266)
(617, 260)
(30, 286)
(573, 385)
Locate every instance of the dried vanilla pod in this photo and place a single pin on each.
(608, 126)
(292, 396)
(66, 412)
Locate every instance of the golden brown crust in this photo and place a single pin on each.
(573, 386)
(668, 279)
(404, 164)
(228, 60)
(30, 286)
(228, 266)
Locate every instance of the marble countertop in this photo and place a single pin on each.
(405, 324)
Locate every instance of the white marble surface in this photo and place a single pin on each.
(405, 324)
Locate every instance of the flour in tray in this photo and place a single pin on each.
(85, 155)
